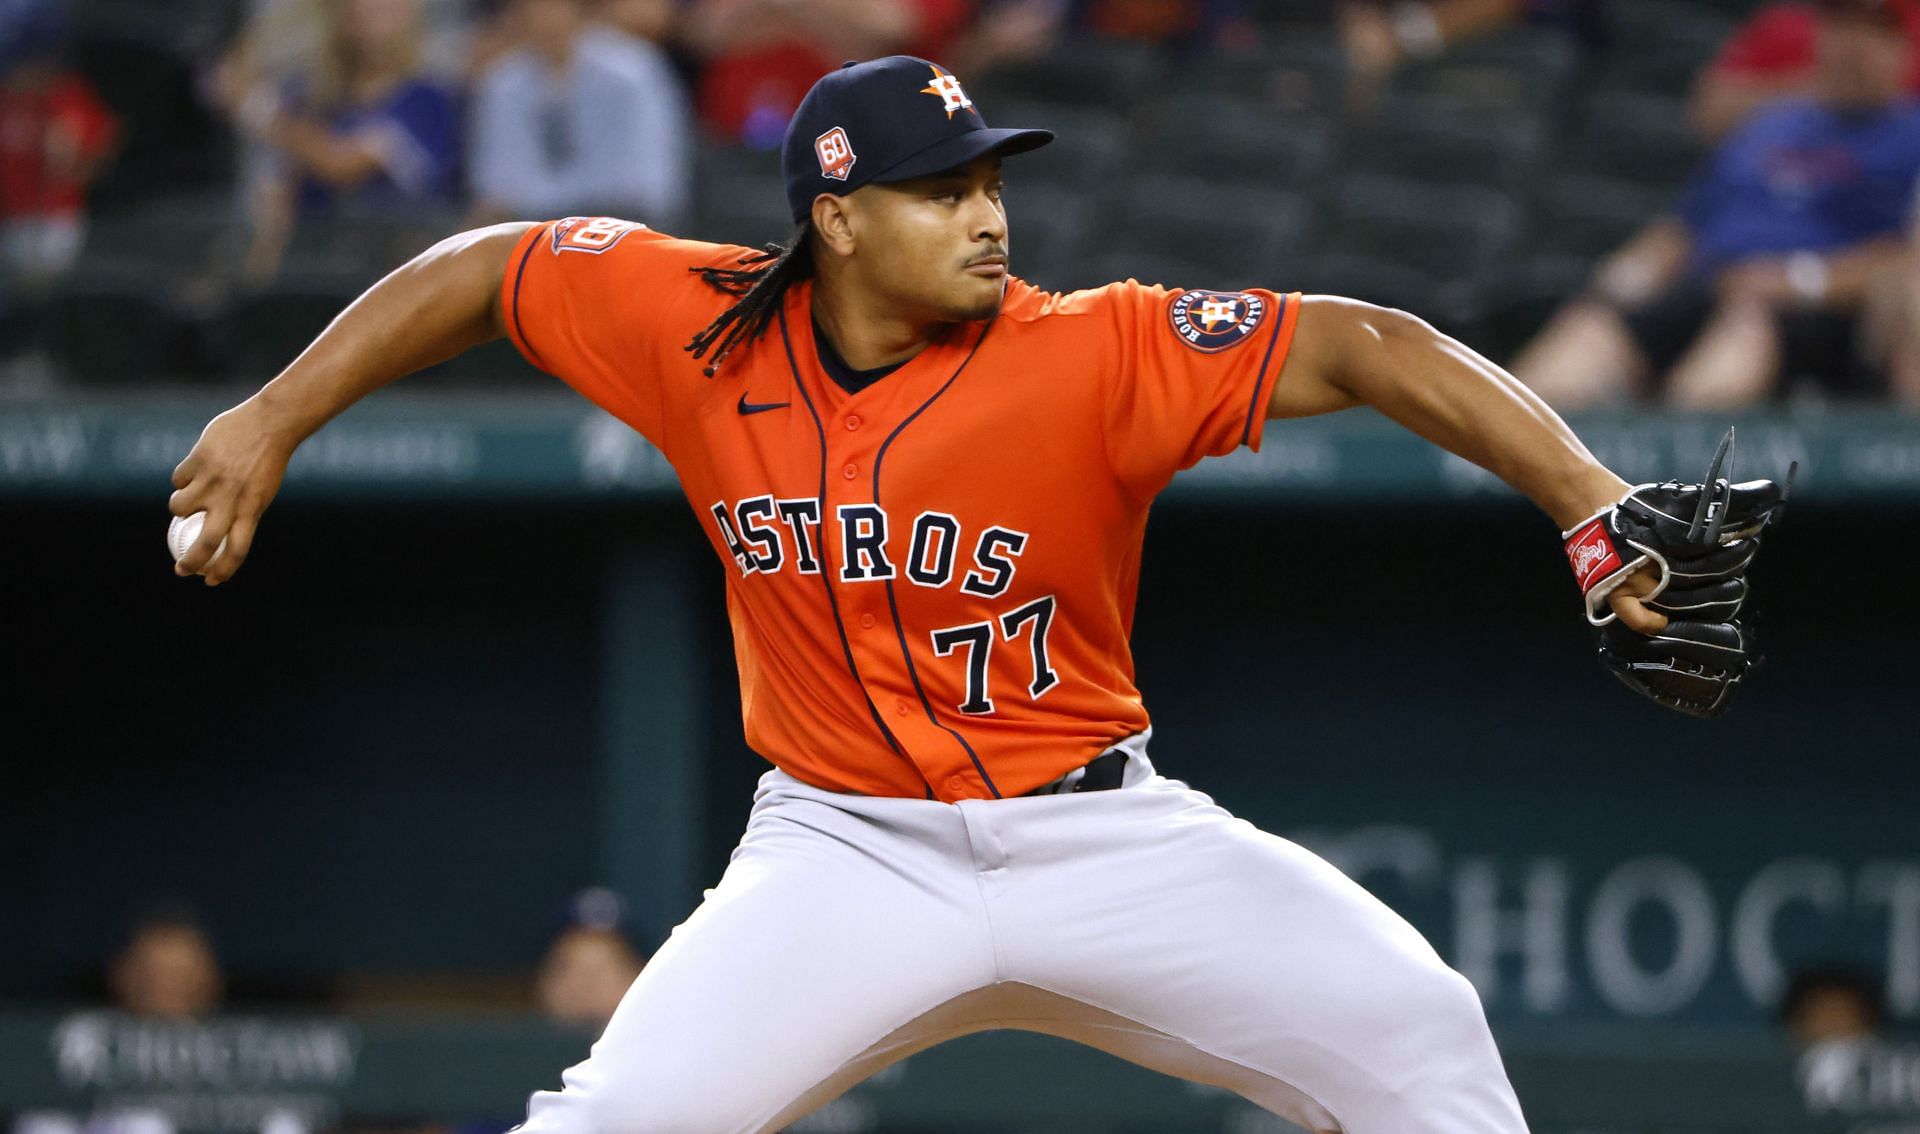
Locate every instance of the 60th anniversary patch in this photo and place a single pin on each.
(1215, 320)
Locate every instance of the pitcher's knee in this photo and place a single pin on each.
(1428, 1024)
(1449, 1076)
(1458, 1012)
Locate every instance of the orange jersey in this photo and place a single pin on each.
(931, 581)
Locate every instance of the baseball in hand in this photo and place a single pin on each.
(183, 531)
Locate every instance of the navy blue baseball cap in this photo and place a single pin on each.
(890, 119)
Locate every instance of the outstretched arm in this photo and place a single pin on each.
(438, 304)
(1347, 353)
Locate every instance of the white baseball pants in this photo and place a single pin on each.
(849, 932)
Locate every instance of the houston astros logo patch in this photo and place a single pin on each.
(949, 91)
(1215, 320)
(835, 153)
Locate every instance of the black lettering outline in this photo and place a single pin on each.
(866, 546)
(949, 548)
(759, 540)
(731, 538)
(977, 637)
(1040, 613)
(985, 560)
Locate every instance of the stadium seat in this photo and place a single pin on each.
(191, 30)
(165, 239)
(714, 159)
(1063, 275)
(362, 246)
(1447, 233)
(1658, 48)
(1303, 70)
(264, 331)
(491, 366)
(1525, 70)
(1672, 25)
(1452, 305)
(1049, 227)
(748, 209)
(1444, 144)
(1369, 278)
(1642, 137)
(1588, 216)
(1523, 296)
(169, 138)
(1082, 71)
(110, 333)
(1665, 70)
(1166, 271)
(1229, 141)
(1531, 51)
(1089, 145)
(1240, 233)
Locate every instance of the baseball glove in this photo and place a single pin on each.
(1700, 539)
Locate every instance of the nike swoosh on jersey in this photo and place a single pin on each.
(747, 407)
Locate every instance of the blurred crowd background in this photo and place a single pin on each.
(1703, 203)
(369, 779)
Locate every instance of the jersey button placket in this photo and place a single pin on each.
(864, 602)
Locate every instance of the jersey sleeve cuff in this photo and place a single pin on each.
(510, 293)
(1279, 341)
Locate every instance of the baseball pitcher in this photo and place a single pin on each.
(927, 484)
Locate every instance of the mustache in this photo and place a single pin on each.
(993, 252)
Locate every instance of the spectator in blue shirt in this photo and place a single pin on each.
(1758, 277)
(361, 129)
(581, 119)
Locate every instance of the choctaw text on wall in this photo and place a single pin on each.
(1642, 935)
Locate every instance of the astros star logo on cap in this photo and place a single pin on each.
(948, 90)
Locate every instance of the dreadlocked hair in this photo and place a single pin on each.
(760, 279)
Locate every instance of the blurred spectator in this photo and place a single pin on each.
(1896, 318)
(280, 38)
(1008, 31)
(1831, 1003)
(761, 56)
(275, 48)
(1170, 23)
(1771, 56)
(580, 119)
(589, 966)
(1380, 38)
(167, 970)
(361, 126)
(1764, 267)
(651, 20)
(55, 137)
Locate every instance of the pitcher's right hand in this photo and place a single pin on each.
(231, 475)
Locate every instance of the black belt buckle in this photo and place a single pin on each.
(1104, 772)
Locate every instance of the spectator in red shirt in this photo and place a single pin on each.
(55, 138)
(1769, 57)
(760, 57)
